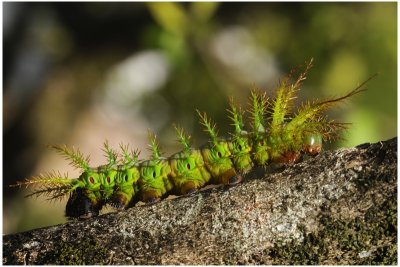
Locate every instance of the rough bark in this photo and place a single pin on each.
(337, 208)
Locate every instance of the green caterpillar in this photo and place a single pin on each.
(126, 180)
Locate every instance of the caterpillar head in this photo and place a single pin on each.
(85, 199)
(54, 185)
(93, 187)
(79, 205)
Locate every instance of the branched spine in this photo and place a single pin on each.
(258, 109)
(154, 147)
(210, 128)
(183, 138)
(284, 99)
(52, 184)
(111, 155)
(129, 157)
(236, 115)
(78, 160)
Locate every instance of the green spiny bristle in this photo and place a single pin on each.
(313, 110)
(329, 129)
(183, 138)
(51, 184)
(129, 157)
(75, 156)
(154, 148)
(284, 98)
(110, 154)
(303, 75)
(209, 127)
(257, 111)
(236, 115)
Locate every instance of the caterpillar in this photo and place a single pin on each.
(276, 135)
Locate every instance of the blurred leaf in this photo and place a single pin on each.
(170, 16)
(203, 11)
(337, 80)
(175, 47)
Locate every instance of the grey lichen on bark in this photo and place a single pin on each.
(337, 208)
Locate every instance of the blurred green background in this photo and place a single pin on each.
(81, 73)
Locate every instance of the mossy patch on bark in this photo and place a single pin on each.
(366, 240)
(83, 253)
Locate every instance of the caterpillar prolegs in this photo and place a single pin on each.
(276, 135)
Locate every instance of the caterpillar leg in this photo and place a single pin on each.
(120, 201)
(189, 188)
(151, 196)
(289, 157)
(230, 177)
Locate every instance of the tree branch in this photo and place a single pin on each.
(337, 208)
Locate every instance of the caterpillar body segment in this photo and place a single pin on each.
(217, 158)
(277, 135)
(126, 186)
(126, 179)
(240, 148)
(154, 181)
(217, 155)
(188, 171)
(239, 143)
(155, 173)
